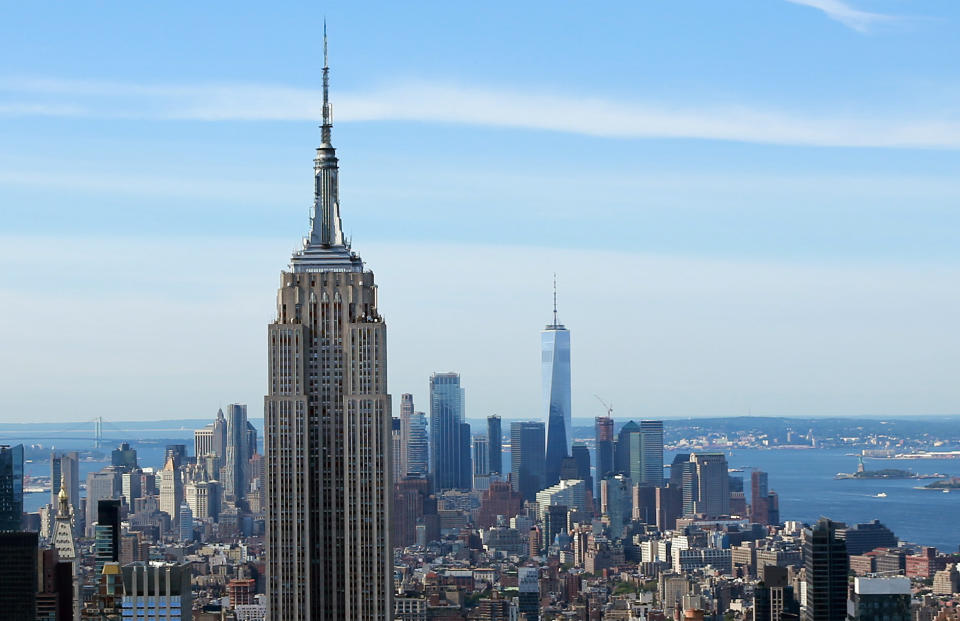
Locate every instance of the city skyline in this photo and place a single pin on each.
(749, 245)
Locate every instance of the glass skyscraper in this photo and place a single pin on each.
(555, 372)
(11, 487)
(449, 440)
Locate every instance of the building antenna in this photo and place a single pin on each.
(555, 299)
(327, 116)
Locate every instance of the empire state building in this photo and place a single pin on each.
(327, 424)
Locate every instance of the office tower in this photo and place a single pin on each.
(669, 501)
(638, 452)
(758, 497)
(528, 587)
(107, 533)
(412, 505)
(446, 417)
(65, 468)
(884, 598)
(203, 441)
(102, 485)
(396, 438)
(131, 486)
(527, 458)
(186, 522)
(651, 453)
(327, 426)
(580, 455)
(212, 438)
(495, 443)
(616, 495)
(124, 457)
(406, 418)
(773, 596)
(203, 498)
(555, 375)
(237, 453)
(603, 435)
(11, 487)
(157, 591)
(466, 460)
(54, 587)
(861, 538)
(707, 483)
(171, 489)
(481, 455)
(417, 443)
(178, 452)
(18, 575)
(571, 494)
(644, 503)
(826, 564)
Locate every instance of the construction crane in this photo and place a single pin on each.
(607, 406)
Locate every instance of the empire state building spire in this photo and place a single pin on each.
(326, 245)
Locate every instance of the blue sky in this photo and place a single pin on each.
(751, 206)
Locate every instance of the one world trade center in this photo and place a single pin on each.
(555, 368)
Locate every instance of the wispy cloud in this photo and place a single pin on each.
(451, 103)
(861, 21)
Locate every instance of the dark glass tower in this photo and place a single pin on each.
(826, 562)
(18, 575)
(527, 458)
(447, 439)
(495, 443)
(11, 487)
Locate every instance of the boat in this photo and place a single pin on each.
(946, 491)
(881, 495)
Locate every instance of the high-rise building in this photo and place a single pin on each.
(481, 455)
(555, 375)
(396, 438)
(157, 591)
(178, 452)
(446, 440)
(11, 487)
(18, 574)
(107, 533)
(527, 458)
(212, 438)
(102, 485)
(186, 522)
(406, 416)
(327, 424)
(826, 565)
(580, 455)
(707, 483)
(603, 435)
(63, 540)
(884, 598)
(416, 443)
(861, 538)
(495, 443)
(171, 489)
(651, 453)
(528, 587)
(65, 469)
(124, 457)
(773, 596)
(759, 493)
(616, 501)
(237, 453)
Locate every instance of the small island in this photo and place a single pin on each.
(886, 473)
(945, 484)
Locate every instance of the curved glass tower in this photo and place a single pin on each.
(555, 371)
